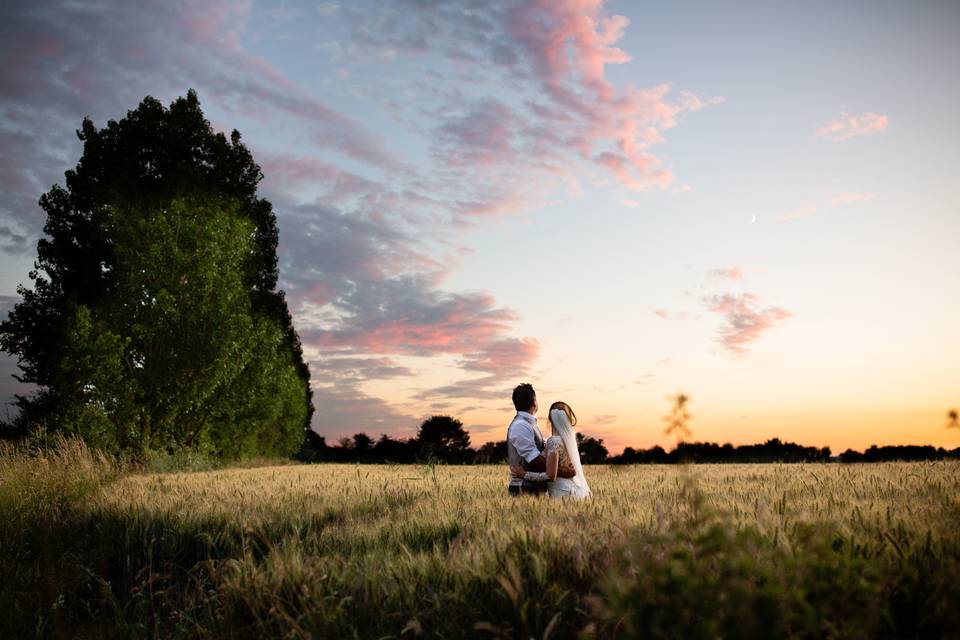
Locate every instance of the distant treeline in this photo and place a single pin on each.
(909, 452)
(444, 439)
(706, 452)
(440, 439)
(776, 451)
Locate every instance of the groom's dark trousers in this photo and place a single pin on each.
(528, 488)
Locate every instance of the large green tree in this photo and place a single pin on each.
(154, 319)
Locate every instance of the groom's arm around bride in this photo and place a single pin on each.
(525, 443)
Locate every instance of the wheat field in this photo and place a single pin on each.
(442, 551)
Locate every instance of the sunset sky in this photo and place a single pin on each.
(754, 203)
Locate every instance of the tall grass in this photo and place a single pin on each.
(405, 551)
(43, 498)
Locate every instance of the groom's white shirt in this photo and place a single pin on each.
(523, 434)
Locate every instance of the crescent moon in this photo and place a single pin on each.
(753, 218)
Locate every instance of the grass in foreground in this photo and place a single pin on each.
(404, 551)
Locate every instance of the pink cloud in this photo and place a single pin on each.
(406, 317)
(551, 29)
(426, 323)
(504, 357)
(744, 320)
(493, 204)
(503, 360)
(569, 43)
(575, 118)
(409, 337)
(848, 126)
(636, 172)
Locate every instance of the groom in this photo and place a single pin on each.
(525, 443)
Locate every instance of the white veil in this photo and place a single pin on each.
(563, 428)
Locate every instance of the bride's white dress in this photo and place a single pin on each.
(575, 487)
(562, 487)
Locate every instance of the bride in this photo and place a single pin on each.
(560, 449)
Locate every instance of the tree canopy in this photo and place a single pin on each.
(444, 438)
(154, 318)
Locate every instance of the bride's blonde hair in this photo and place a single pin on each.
(563, 406)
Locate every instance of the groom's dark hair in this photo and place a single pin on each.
(524, 396)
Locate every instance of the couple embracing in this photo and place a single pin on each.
(538, 466)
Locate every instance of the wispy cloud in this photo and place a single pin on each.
(838, 200)
(408, 316)
(358, 369)
(344, 409)
(663, 314)
(848, 126)
(500, 360)
(504, 357)
(64, 60)
(734, 273)
(744, 320)
(797, 214)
